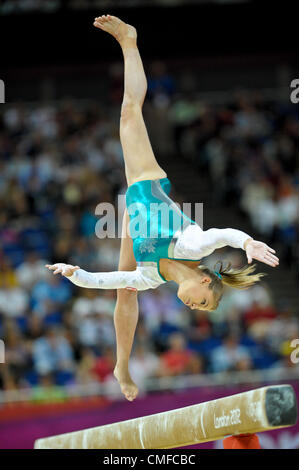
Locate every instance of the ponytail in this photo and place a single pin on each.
(241, 278)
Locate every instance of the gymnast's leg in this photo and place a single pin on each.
(140, 161)
(125, 318)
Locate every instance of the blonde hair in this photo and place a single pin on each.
(241, 278)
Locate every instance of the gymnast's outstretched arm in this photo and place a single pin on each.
(196, 243)
(106, 280)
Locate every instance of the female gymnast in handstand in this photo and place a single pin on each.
(146, 263)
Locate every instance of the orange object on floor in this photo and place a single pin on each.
(243, 441)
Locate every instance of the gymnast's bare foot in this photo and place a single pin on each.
(123, 32)
(127, 386)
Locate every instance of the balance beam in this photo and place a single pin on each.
(249, 412)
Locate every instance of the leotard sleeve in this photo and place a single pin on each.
(133, 280)
(196, 243)
(110, 280)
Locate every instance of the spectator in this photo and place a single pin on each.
(178, 360)
(54, 289)
(52, 353)
(17, 354)
(258, 313)
(31, 270)
(14, 301)
(143, 365)
(104, 365)
(230, 356)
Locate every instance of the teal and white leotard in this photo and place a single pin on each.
(160, 228)
(156, 237)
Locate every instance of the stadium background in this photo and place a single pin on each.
(221, 122)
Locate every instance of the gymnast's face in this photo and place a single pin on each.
(196, 294)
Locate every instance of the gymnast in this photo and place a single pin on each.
(173, 254)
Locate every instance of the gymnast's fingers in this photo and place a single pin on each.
(273, 258)
(270, 255)
(51, 266)
(58, 270)
(269, 261)
(71, 270)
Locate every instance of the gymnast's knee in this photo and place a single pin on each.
(126, 294)
(130, 109)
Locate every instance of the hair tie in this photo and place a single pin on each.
(218, 274)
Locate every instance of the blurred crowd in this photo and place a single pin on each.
(58, 162)
(49, 6)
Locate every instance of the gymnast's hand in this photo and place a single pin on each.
(261, 252)
(64, 269)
